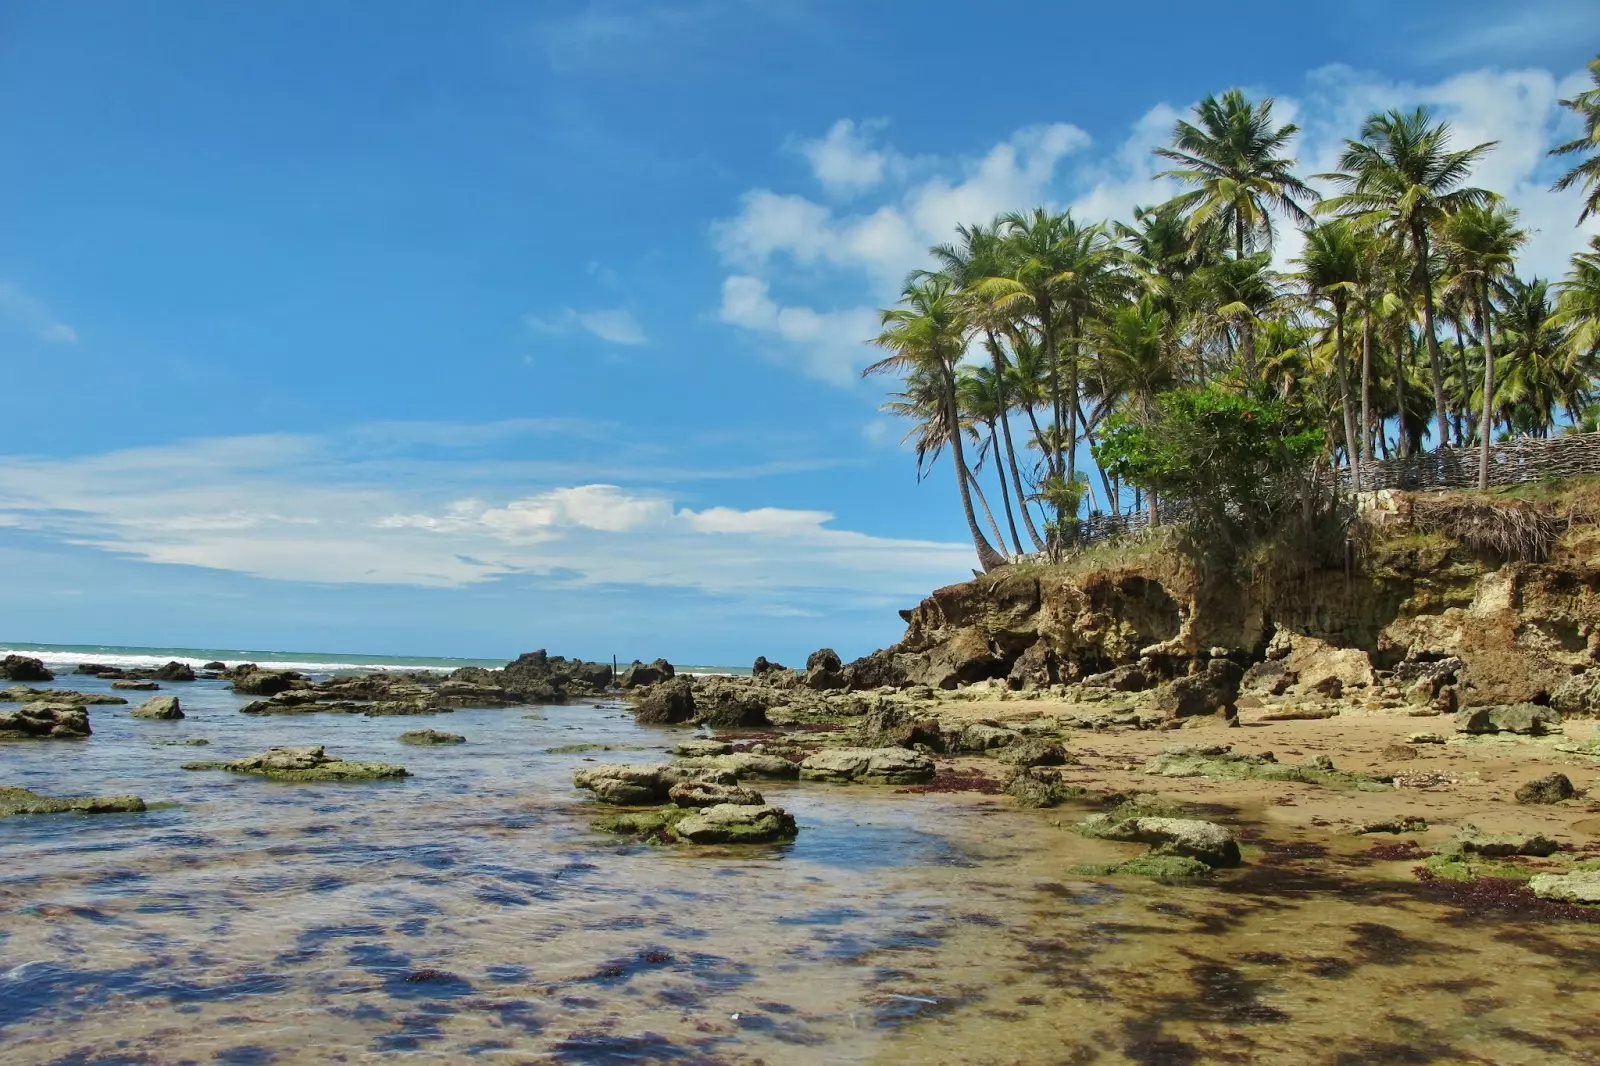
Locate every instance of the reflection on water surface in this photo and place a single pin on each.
(468, 913)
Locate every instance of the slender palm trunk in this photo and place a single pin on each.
(1465, 427)
(1344, 399)
(1399, 400)
(983, 501)
(1434, 360)
(988, 558)
(1072, 408)
(1005, 493)
(1011, 451)
(1366, 387)
(1047, 331)
(1105, 482)
(1486, 429)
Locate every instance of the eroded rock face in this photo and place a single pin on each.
(160, 708)
(1213, 689)
(885, 766)
(666, 703)
(45, 721)
(1320, 666)
(24, 668)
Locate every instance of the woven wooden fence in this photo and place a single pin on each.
(1512, 463)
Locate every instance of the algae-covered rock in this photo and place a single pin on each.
(981, 737)
(710, 794)
(1221, 763)
(729, 823)
(1551, 789)
(1039, 787)
(695, 749)
(886, 766)
(1035, 752)
(22, 801)
(651, 824)
(1168, 869)
(1208, 842)
(304, 764)
(159, 708)
(23, 694)
(45, 721)
(1458, 866)
(1525, 719)
(249, 680)
(1579, 886)
(1402, 824)
(431, 736)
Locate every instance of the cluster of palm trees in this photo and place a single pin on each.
(1404, 322)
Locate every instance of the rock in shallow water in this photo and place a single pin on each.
(1192, 838)
(24, 668)
(135, 685)
(45, 721)
(881, 766)
(304, 764)
(711, 794)
(431, 736)
(22, 801)
(729, 823)
(161, 708)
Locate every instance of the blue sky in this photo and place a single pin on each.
(465, 329)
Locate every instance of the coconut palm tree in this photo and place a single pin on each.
(1578, 309)
(1140, 358)
(978, 396)
(981, 253)
(926, 334)
(1482, 241)
(1331, 270)
(1402, 177)
(1587, 106)
(1537, 362)
(1234, 160)
(1231, 297)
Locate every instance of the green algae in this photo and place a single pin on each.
(1224, 765)
(1458, 867)
(304, 765)
(654, 824)
(15, 801)
(1168, 869)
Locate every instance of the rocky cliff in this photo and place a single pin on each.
(1426, 580)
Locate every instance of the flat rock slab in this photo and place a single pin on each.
(885, 766)
(742, 764)
(1580, 886)
(21, 801)
(22, 694)
(304, 764)
(136, 685)
(1193, 838)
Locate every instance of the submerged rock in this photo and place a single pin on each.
(1579, 886)
(24, 668)
(22, 801)
(161, 708)
(885, 766)
(1164, 868)
(1551, 789)
(45, 721)
(1208, 842)
(729, 823)
(304, 764)
(431, 736)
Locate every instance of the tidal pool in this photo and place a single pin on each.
(470, 914)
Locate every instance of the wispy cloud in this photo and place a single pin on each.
(29, 314)
(615, 325)
(320, 509)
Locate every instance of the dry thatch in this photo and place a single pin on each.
(1513, 529)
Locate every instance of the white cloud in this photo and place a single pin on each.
(844, 159)
(615, 325)
(32, 316)
(829, 345)
(302, 508)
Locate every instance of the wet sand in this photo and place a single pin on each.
(470, 914)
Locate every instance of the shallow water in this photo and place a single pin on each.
(469, 914)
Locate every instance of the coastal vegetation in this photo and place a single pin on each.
(1184, 363)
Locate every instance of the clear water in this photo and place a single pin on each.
(470, 914)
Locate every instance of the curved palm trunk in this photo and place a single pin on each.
(1434, 361)
(983, 501)
(1399, 400)
(988, 558)
(1005, 493)
(1344, 399)
(1488, 384)
(1047, 331)
(1464, 424)
(1366, 387)
(1072, 409)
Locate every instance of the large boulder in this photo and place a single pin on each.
(1214, 688)
(1209, 842)
(626, 785)
(730, 823)
(174, 671)
(1035, 752)
(160, 708)
(824, 671)
(1037, 667)
(884, 766)
(666, 703)
(257, 682)
(1319, 665)
(41, 721)
(763, 667)
(727, 704)
(881, 669)
(1132, 677)
(24, 668)
(1551, 789)
(641, 674)
(1579, 886)
(895, 725)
